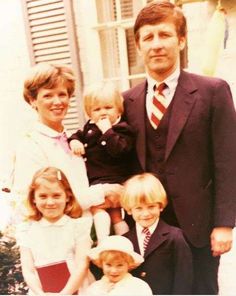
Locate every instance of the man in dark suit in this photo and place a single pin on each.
(191, 146)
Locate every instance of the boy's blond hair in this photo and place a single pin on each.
(114, 255)
(143, 188)
(48, 76)
(102, 91)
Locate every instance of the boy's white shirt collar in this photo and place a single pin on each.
(152, 228)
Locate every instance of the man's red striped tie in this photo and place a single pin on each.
(159, 105)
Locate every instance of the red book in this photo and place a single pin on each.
(54, 276)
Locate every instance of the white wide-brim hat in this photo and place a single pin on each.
(116, 243)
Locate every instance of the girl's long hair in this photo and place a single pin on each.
(52, 174)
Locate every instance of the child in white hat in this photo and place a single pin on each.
(115, 255)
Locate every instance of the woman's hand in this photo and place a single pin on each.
(112, 197)
(112, 194)
(106, 205)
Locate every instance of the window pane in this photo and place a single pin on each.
(135, 62)
(113, 10)
(118, 51)
(110, 53)
(106, 10)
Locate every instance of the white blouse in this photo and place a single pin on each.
(55, 242)
(42, 147)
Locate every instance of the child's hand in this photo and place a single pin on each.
(77, 147)
(104, 124)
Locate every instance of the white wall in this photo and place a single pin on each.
(14, 61)
(88, 40)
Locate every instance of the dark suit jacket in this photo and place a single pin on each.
(200, 166)
(167, 266)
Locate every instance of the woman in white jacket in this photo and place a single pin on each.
(48, 90)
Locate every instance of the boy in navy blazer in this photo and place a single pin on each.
(167, 266)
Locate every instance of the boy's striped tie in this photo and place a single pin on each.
(147, 238)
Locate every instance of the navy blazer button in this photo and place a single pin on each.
(85, 144)
(103, 143)
(143, 274)
(90, 131)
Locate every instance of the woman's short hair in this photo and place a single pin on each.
(105, 91)
(52, 174)
(160, 11)
(48, 76)
(143, 188)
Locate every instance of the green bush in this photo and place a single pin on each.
(12, 282)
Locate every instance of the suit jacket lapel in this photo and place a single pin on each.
(133, 237)
(158, 237)
(137, 119)
(184, 100)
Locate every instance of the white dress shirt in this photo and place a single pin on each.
(168, 92)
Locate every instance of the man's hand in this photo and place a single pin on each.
(104, 124)
(77, 147)
(221, 240)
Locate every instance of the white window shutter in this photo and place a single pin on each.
(52, 38)
(126, 9)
